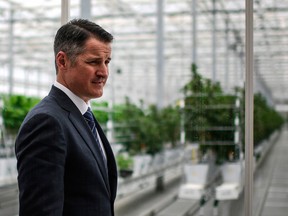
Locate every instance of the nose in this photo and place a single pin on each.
(102, 70)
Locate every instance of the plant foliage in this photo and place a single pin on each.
(210, 117)
(15, 109)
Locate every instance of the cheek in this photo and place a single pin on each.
(80, 80)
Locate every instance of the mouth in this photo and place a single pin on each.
(99, 81)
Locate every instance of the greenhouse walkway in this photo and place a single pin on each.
(270, 185)
(276, 194)
(271, 182)
(270, 191)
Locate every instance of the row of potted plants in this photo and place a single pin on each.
(209, 118)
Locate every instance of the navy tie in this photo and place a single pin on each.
(88, 115)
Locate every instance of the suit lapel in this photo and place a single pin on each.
(85, 132)
(83, 129)
(111, 163)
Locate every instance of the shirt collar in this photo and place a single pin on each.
(79, 103)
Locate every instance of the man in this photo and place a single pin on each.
(64, 166)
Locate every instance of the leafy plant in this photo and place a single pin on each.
(100, 111)
(15, 109)
(147, 129)
(266, 119)
(210, 116)
(124, 161)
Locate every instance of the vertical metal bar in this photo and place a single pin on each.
(65, 9)
(85, 10)
(214, 42)
(241, 55)
(236, 68)
(249, 107)
(111, 102)
(182, 123)
(194, 31)
(227, 57)
(160, 55)
(11, 54)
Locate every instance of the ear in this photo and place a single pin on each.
(61, 60)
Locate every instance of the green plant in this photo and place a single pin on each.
(15, 109)
(210, 115)
(170, 123)
(266, 119)
(100, 111)
(146, 130)
(124, 161)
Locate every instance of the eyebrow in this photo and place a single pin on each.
(96, 57)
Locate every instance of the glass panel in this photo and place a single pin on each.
(174, 115)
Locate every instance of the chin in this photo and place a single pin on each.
(98, 94)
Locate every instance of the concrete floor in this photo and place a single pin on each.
(270, 192)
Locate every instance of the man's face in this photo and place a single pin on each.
(88, 75)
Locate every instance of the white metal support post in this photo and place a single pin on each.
(85, 10)
(249, 107)
(160, 74)
(160, 55)
(65, 8)
(227, 56)
(214, 60)
(11, 52)
(194, 32)
(182, 122)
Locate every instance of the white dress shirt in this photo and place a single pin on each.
(80, 104)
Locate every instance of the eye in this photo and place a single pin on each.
(107, 62)
(93, 62)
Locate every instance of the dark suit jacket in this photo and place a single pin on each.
(60, 169)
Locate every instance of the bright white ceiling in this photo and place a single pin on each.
(134, 23)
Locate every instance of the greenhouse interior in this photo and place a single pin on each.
(176, 106)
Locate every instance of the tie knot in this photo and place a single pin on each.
(88, 115)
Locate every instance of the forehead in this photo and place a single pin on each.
(94, 46)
